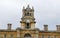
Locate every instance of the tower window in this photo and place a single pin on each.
(28, 14)
(25, 14)
(27, 25)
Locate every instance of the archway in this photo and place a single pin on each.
(27, 36)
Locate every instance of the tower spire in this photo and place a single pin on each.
(23, 7)
(28, 19)
(28, 6)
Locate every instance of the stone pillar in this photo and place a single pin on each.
(18, 32)
(9, 26)
(45, 27)
(58, 28)
(37, 34)
(32, 25)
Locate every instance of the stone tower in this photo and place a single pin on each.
(28, 20)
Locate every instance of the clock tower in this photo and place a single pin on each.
(28, 20)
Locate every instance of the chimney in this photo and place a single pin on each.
(9, 26)
(45, 27)
(58, 28)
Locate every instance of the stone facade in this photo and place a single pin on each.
(28, 29)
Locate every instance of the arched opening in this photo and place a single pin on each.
(28, 14)
(27, 36)
(27, 25)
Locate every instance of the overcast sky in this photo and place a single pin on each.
(46, 12)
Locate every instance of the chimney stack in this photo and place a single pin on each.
(58, 28)
(45, 27)
(9, 26)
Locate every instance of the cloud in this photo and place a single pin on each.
(46, 11)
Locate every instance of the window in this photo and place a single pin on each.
(27, 25)
(48, 36)
(11, 36)
(28, 14)
(0, 36)
(54, 36)
(4, 35)
(42, 36)
(25, 14)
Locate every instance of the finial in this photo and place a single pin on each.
(32, 7)
(28, 6)
(23, 7)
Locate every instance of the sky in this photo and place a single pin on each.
(45, 12)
